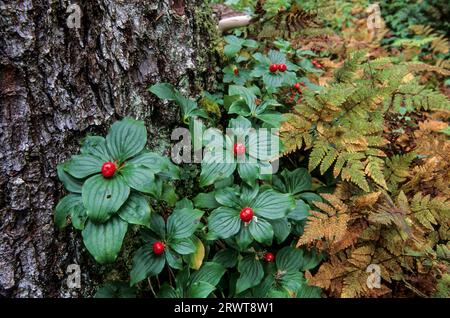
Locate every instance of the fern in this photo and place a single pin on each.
(439, 43)
(343, 123)
(397, 169)
(393, 233)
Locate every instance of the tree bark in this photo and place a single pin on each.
(58, 83)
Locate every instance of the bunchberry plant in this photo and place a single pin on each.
(166, 241)
(242, 147)
(110, 185)
(246, 214)
(275, 69)
(197, 285)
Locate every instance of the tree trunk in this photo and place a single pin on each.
(59, 82)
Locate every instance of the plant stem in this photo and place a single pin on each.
(151, 286)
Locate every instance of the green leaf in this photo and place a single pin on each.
(306, 291)
(195, 259)
(82, 166)
(263, 146)
(136, 210)
(210, 273)
(168, 291)
(169, 195)
(228, 197)
(145, 264)
(259, 70)
(278, 293)
(300, 212)
(248, 171)
(78, 216)
(116, 290)
(148, 236)
(244, 238)
(310, 260)
(277, 57)
(139, 178)
(104, 240)
(163, 91)
(292, 281)
(224, 222)
(189, 109)
(184, 203)
(261, 290)
(272, 80)
(240, 126)
(297, 181)
(95, 146)
(183, 223)
(245, 94)
(226, 257)
(200, 290)
(70, 183)
(261, 59)
(206, 201)
(251, 272)
(234, 45)
(248, 194)
(173, 259)
(103, 197)
(261, 230)
(183, 246)
(281, 229)
(271, 118)
(239, 107)
(272, 205)
(126, 138)
(156, 163)
(215, 167)
(158, 225)
(289, 259)
(251, 44)
(227, 182)
(65, 207)
(310, 197)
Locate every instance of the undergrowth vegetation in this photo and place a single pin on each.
(336, 178)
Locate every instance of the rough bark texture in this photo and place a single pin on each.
(56, 85)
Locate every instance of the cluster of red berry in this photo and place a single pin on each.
(316, 64)
(298, 86)
(277, 67)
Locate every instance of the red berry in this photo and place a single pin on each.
(239, 149)
(158, 248)
(282, 67)
(236, 71)
(297, 86)
(246, 214)
(302, 84)
(108, 169)
(273, 68)
(269, 257)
